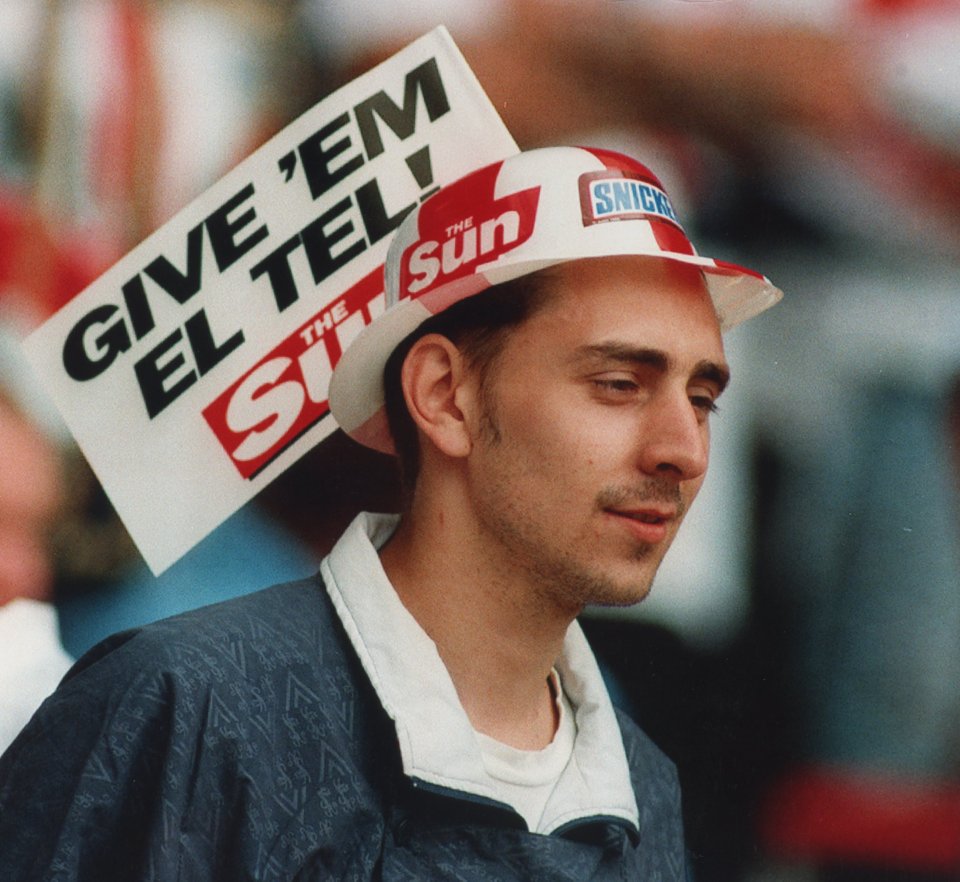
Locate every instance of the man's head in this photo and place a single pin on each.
(578, 441)
(554, 355)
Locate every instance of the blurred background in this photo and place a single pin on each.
(800, 656)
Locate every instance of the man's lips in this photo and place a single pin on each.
(648, 514)
(649, 524)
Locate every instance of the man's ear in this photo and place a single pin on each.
(433, 377)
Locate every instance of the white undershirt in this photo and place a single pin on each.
(525, 779)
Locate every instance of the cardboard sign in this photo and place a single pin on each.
(195, 370)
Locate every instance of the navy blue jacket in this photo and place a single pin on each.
(243, 742)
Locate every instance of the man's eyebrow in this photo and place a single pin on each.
(719, 374)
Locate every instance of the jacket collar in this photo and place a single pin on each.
(438, 745)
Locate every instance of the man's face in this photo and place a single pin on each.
(595, 434)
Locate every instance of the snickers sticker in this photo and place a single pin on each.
(617, 195)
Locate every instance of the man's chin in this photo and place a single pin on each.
(611, 594)
(619, 601)
(623, 585)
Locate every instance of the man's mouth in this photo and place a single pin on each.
(645, 516)
(646, 524)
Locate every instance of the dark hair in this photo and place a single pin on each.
(478, 326)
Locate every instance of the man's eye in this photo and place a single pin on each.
(704, 404)
(615, 384)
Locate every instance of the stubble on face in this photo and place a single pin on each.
(558, 577)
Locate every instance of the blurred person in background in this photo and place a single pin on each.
(32, 660)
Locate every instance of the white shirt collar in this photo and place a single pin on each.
(438, 744)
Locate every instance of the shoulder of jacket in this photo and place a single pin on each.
(281, 626)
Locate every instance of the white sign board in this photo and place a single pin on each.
(195, 370)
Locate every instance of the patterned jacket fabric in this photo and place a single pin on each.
(243, 742)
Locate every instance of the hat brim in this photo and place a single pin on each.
(356, 389)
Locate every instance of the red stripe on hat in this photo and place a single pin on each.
(734, 269)
(670, 238)
(620, 162)
(462, 227)
(457, 201)
(896, 7)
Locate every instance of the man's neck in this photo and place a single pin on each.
(491, 628)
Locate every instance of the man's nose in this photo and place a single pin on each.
(674, 438)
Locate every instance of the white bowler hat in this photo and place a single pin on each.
(514, 217)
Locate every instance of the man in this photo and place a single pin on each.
(428, 708)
